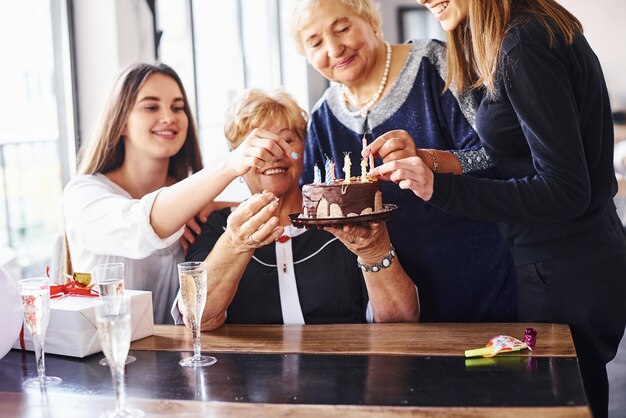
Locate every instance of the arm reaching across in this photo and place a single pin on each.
(410, 174)
(176, 204)
(398, 144)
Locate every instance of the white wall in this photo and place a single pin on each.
(388, 11)
(94, 28)
(605, 28)
(109, 35)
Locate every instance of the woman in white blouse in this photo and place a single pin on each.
(135, 190)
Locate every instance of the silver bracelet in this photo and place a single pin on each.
(384, 262)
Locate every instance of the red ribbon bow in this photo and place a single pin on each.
(58, 290)
(70, 288)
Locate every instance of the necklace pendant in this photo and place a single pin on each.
(368, 104)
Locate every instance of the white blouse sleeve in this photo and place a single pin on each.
(105, 221)
(175, 312)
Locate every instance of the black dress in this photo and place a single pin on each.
(330, 286)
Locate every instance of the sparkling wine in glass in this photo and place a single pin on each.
(111, 288)
(109, 278)
(110, 281)
(36, 300)
(114, 330)
(193, 288)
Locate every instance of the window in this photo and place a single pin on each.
(246, 46)
(31, 165)
(220, 76)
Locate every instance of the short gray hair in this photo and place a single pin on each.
(367, 10)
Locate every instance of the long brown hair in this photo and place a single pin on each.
(104, 152)
(472, 60)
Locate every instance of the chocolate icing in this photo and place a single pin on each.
(341, 199)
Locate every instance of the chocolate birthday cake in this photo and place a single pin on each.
(341, 200)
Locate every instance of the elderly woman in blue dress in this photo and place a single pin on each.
(461, 266)
(262, 269)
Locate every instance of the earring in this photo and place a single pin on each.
(241, 179)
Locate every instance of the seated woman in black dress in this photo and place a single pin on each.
(261, 269)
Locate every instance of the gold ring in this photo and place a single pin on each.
(252, 241)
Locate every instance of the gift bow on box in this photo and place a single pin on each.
(58, 290)
(72, 330)
(71, 288)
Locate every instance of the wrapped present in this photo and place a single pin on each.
(72, 328)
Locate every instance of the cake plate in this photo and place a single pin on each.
(300, 222)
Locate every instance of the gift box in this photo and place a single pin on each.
(72, 329)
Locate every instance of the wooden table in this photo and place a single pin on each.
(389, 370)
(395, 339)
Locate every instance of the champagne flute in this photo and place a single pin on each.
(114, 329)
(110, 280)
(193, 287)
(36, 300)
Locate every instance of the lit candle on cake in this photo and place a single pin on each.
(363, 170)
(330, 171)
(346, 166)
(317, 175)
(364, 163)
(327, 170)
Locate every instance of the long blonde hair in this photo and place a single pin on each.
(104, 152)
(472, 60)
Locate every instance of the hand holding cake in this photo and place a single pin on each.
(253, 224)
(369, 241)
(263, 268)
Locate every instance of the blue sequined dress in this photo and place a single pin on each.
(463, 269)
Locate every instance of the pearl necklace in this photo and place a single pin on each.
(362, 112)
